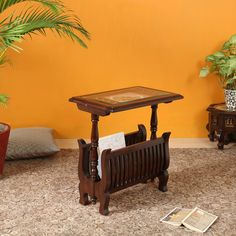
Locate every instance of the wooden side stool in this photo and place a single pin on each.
(222, 124)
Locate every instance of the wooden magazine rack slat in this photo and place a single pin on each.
(141, 160)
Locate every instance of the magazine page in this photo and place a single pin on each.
(114, 141)
(199, 220)
(176, 216)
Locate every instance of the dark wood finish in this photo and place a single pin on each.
(4, 136)
(222, 124)
(108, 102)
(94, 154)
(154, 122)
(139, 161)
(136, 136)
(125, 167)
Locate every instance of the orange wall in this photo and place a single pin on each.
(159, 44)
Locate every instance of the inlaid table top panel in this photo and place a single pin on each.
(107, 102)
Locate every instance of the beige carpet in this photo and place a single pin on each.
(40, 197)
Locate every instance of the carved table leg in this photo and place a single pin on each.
(94, 155)
(154, 122)
(104, 203)
(163, 179)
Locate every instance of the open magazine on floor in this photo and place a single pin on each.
(195, 219)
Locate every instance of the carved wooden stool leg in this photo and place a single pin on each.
(221, 140)
(83, 196)
(104, 203)
(163, 179)
(210, 128)
(211, 136)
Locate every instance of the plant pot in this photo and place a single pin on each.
(4, 136)
(230, 99)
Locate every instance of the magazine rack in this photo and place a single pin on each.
(138, 162)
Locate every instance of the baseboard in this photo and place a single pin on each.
(67, 143)
(174, 143)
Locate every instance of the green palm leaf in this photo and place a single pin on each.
(37, 20)
(3, 99)
(54, 5)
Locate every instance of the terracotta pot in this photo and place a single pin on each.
(230, 99)
(4, 136)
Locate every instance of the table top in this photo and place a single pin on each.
(220, 108)
(107, 102)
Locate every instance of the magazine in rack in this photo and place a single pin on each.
(113, 141)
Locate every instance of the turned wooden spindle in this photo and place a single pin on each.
(94, 154)
(154, 122)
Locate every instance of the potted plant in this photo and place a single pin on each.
(223, 63)
(4, 135)
(37, 17)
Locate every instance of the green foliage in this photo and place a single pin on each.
(53, 5)
(223, 63)
(3, 99)
(40, 16)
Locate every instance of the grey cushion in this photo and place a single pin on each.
(3, 127)
(31, 142)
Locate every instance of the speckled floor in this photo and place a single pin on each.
(40, 197)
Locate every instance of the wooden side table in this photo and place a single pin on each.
(222, 124)
(138, 162)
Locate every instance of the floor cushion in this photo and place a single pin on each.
(31, 142)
